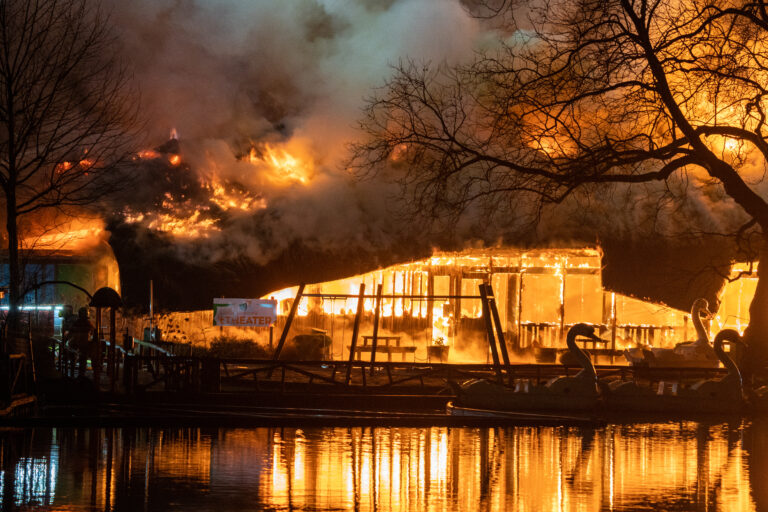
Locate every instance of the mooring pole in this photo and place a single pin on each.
(613, 326)
(112, 348)
(288, 322)
(376, 325)
(499, 330)
(562, 303)
(96, 361)
(520, 310)
(355, 330)
(489, 330)
(151, 309)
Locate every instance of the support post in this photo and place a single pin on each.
(355, 330)
(499, 331)
(430, 306)
(376, 314)
(562, 303)
(613, 325)
(520, 310)
(96, 353)
(210, 375)
(151, 309)
(489, 331)
(129, 373)
(112, 349)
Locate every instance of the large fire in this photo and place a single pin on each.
(284, 167)
(72, 234)
(199, 209)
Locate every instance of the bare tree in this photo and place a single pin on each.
(66, 110)
(583, 95)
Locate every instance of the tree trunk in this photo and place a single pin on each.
(14, 273)
(756, 333)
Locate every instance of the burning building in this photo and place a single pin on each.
(435, 301)
(58, 266)
(735, 298)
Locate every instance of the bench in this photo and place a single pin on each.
(385, 344)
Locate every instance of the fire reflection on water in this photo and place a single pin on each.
(614, 467)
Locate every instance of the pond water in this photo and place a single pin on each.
(650, 466)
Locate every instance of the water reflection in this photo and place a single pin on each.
(674, 466)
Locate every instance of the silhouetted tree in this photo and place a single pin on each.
(579, 96)
(66, 108)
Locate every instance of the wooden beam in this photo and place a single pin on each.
(288, 322)
(499, 331)
(355, 331)
(489, 331)
(376, 325)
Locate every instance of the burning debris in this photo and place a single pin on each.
(185, 204)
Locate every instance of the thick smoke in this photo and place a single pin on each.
(229, 75)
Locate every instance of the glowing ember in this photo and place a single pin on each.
(190, 227)
(63, 167)
(233, 199)
(189, 214)
(148, 154)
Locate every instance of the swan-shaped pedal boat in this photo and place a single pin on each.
(724, 395)
(694, 354)
(577, 393)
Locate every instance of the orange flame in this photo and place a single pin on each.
(148, 154)
(75, 235)
(286, 166)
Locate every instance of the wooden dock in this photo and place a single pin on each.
(18, 387)
(149, 369)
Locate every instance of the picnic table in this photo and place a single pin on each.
(385, 344)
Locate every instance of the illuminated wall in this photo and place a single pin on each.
(90, 268)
